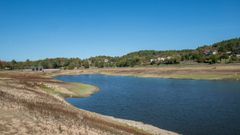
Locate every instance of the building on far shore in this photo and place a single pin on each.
(214, 52)
(37, 68)
(106, 60)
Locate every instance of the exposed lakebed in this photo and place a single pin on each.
(192, 107)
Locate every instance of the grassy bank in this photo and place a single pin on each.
(76, 90)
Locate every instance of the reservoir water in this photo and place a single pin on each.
(189, 107)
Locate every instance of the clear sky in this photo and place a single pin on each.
(37, 29)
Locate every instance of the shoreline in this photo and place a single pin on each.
(24, 98)
(147, 127)
(196, 72)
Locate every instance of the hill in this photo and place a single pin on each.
(227, 51)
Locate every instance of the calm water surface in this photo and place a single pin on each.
(189, 107)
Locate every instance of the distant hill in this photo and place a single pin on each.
(227, 51)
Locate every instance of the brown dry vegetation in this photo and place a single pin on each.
(206, 72)
(27, 108)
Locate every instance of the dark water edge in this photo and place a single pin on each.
(191, 107)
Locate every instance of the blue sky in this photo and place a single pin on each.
(37, 29)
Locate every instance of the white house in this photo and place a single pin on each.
(169, 57)
(161, 59)
(106, 60)
(214, 52)
(229, 52)
(152, 60)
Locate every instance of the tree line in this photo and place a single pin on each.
(227, 51)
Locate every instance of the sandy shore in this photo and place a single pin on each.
(32, 103)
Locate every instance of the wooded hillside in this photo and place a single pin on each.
(227, 51)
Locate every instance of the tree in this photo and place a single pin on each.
(13, 65)
(122, 63)
(213, 59)
(86, 64)
(224, 56)
(2, 64)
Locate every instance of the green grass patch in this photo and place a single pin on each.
(81, 90)
(71, 90)
(52, 91)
